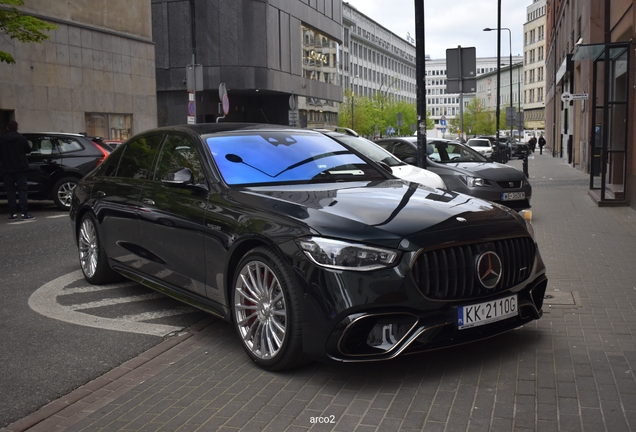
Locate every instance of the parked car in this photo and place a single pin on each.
(482, 145)
(467, 171)
(113, 144)
(385, 159)
(56, 163)
(505, 150)
(519, 150)
(310, 251)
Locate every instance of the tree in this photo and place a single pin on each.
(381, 110)
(24, 28)
(476, 120)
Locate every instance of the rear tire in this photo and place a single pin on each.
(92, 257)
(266, 311)
(63, 192)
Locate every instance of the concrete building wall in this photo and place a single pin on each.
(257, 48)
(99, 61)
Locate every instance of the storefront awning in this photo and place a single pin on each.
(595, 51)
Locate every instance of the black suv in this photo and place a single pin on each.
(56, 163)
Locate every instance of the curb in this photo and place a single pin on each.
(80, 403)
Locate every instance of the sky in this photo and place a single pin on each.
(450, 23)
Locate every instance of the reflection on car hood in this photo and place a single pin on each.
(418, 175)
(488, 170)
(384, 213)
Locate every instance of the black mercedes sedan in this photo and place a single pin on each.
(467, 171)
(310, 250)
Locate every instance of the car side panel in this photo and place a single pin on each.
(117, 203)
(171, 234)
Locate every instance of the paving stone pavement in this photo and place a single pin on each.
(572, 370)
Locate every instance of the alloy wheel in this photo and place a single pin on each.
(88, 248)
(65, 193)
(260, 310)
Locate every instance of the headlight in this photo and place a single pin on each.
(340, 255)
(472, 181)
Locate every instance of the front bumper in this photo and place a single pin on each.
(360, 317)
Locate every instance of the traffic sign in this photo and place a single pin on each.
(226, 104)
(567, 96)
(293, 117)
(191, 109)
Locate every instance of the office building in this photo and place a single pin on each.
(534, 65)
(278, 60)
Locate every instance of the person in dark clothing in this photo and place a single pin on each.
(541, 144)
(533, 143)
(13, 150)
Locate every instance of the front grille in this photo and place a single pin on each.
(509, 184)
(450, 274)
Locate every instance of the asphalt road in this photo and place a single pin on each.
(56, 331)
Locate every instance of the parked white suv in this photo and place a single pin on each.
(482, 145)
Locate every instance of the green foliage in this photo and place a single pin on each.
(22, 27)
(476, 120)
(380, 110)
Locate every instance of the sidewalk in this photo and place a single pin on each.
(572, 370)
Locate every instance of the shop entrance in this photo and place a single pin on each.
(610, 102)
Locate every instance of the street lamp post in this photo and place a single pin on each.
(511, 103)
(352, 103)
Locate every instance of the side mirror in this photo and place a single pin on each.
(182, 177)
(179, 176)
(411, 160)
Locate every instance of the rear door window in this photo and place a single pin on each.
(43, 145)
(139, 156)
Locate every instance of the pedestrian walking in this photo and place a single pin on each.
(13, 150)
(541, 144)
(533, 143)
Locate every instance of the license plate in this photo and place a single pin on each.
(513, 196)
(487, 312)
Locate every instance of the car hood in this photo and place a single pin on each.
(488, 170)
(385, 213)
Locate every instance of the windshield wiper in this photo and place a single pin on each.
(237, 159)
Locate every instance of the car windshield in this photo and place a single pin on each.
(369, 149)
(269, 157)
(449, 152)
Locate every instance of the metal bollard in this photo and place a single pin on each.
(525, 165)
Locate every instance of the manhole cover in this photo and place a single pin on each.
(560, 298)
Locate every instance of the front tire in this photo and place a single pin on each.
(63, 192)
(266, 311)
(92, 257)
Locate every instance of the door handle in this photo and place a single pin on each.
(100, 194)
(148, 201)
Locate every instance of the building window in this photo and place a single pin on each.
(109, 126)
(318, 52)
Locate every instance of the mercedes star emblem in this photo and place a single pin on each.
(489, 269)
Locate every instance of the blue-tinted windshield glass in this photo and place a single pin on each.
(274, 157)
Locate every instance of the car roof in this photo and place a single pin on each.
(55, 133)
(211, 128)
